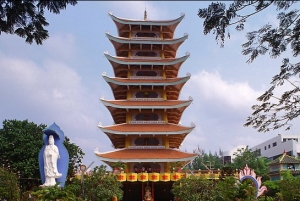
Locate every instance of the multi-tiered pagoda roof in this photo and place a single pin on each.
(146, 109)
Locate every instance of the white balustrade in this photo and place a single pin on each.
(146, 77)
(146, 147)
(146, 38)
(146, 58)
(146, 122)
(146, 99)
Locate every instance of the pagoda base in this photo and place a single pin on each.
(135, 191)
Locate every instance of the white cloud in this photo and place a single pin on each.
(219, 110)
(61, 46)
(212, 88)
(50, 93)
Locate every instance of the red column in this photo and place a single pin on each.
(143, 191)
(152, 191)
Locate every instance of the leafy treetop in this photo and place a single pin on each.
(275, 111)
(26, 18)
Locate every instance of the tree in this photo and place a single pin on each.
(204, 160)
(194, 189)
(75, 157)
(274, 111)
(20, 143)
(251, 158)
(26, 18)
(102, 186)
(9, 189)
(54, 193)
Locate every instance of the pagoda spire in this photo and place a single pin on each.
(145, 14)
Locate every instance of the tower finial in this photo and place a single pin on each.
(145, 13)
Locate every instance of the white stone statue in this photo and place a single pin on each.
(51, 155)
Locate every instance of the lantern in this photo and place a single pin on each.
(175, 176)
(154, 177)
(121, 177)
(164, 177)
(183, 175)
(142, 176)
(132, 177)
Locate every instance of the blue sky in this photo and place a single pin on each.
(61, 80)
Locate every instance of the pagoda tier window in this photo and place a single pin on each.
(144, 34)
(146, 167)
(146, 141)
(146, 73)
(146, 117)
(146, 54)
(146, 94)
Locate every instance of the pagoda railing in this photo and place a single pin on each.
(146, 99)
(146, 77)
(147, 122)
(146, 147)
(146, 58)
(146, 38)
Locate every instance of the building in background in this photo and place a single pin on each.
(272, 148)
(284, 162)
(146, 134)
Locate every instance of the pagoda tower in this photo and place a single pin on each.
(146, 108)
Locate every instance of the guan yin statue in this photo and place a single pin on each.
(53, 157)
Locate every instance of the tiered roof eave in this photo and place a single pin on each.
(170, 45)
(146, 129)
(126, 25)
(142, 155)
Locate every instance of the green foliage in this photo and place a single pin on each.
(229, 189)
(246, 191)
(26, 18)
(273, 188)
(193, 189)
(74, 186)
(226, 189)
(251, 158)
(207, 160)
(20, 143)
(75, 158)
(54, 193)
(289, 188)
(9, 189)
(119, 164)
(278, 106)
(102, 186)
